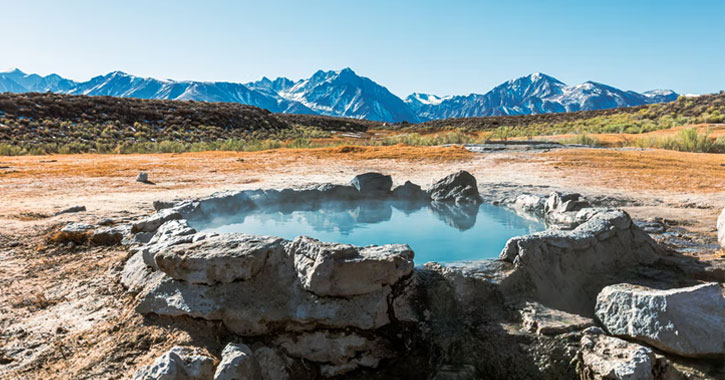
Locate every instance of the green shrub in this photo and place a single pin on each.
(686, 140)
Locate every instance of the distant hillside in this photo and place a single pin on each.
(34, 123)
(344, 93)
(704, 108)
(91, 123)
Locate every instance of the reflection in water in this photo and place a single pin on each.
(440, 232)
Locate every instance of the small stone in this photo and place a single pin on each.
(107, 236)
(106, 222)
(179, 363)
(142, 177)
(71, 210)
(238, 363)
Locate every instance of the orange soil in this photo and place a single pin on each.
(662, 170)
(115, 165)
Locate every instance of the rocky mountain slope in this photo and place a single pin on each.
(347, 94)
(533, 94)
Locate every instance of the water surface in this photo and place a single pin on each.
(436, 232)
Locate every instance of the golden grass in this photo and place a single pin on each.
(647, 169)
(128, 165)
(629, 139)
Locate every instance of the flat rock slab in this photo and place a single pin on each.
(542, 320)
(604, 357)
(684, 321)
(333, 269)
(264, 303)
(219, 259)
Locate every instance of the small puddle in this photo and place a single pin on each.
(438, 232)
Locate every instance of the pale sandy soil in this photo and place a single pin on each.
(63, 314)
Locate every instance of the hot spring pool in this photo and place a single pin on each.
(443, 233)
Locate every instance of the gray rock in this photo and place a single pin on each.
(565, 270)
(333, 269)
(136, 274)
(330, 191)
(160, 205)
(238, 363)
(72, 228)
(106, 222)
(566, 210)
(275, 296)
(529, 203)
(685, 321)
(227, 258)
(651, 227)
(457, 187)
(372, 184)
(721, 228)
(271, 364)
(142, 177)
(151, 223)
(169, 234)
(108, 235)
(542, 320)
(73, 209)
(409, 191)
(77, 233)
(604, 357)
(179, 363)
(339, 352)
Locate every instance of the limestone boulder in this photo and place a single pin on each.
(604, 357)
(273, 298)
(179, 363)
(333, 269)
(457, 187)
(238, 363)
(372, 184)
(721, 228)
(566, 269)
(684, 321)
(219, 259)
(338, 352)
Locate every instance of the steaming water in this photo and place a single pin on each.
(436, 232)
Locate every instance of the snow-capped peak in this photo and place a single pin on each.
(427, 99)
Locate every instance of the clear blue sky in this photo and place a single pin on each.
(441, 47)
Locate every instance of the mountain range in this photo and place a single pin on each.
(344, 93)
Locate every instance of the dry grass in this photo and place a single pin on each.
(630, 139)
(648, 170)
(114, 165)
(394, 152)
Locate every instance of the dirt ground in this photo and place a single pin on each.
(64, 315)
